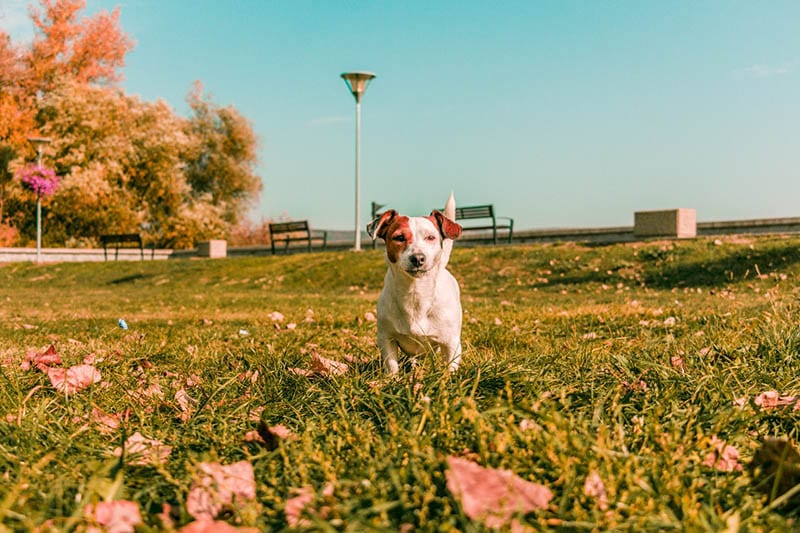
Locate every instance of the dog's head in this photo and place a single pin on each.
(413, 244)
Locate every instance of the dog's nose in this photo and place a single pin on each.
(417, 260)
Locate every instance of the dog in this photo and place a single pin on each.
(419, 308)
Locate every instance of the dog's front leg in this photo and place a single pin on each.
(451, 353)
(389, 351)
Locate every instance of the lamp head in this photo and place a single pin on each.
(357, 82)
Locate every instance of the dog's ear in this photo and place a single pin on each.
(377, 228)
(448, 228)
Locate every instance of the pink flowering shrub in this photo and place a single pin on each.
(42, 181)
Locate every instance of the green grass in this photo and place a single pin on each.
(577, 341)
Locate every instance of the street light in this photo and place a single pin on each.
(39, 142)
(357, 83)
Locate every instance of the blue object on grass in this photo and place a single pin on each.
(123, 324)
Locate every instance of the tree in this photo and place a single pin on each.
(223, 156)
(88, 50)
(126, 165)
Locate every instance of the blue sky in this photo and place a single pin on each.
(561, 113)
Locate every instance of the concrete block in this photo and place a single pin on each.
(215, 248)
(672, 223)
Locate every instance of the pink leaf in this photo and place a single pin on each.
(42, 360)
(296, 505)
(215, 526)
(327, 367)
(73, 379)
(144, 451)
(772, 398)
(117, 517)
(594, 488)
(492, 495)
(220, 486)
(724, 458)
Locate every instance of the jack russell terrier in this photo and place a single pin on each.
(419, 309)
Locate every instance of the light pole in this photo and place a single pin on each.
(357, 83)
(39, 142)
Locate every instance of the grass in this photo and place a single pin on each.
(621, 360)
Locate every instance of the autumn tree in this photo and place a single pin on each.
(223, 156)
(86, 50)
(126, 165)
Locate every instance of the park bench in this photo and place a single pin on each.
(297, 231)
(122, 240)
(484, 212)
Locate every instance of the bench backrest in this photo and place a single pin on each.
(124, 237)
(474, 211)
(288, 227)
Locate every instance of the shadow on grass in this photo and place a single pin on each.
(129, 279)
(742, 264)
(662, 268)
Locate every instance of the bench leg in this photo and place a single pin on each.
(105, 253)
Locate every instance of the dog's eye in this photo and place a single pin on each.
(399, 238)
(430, 238)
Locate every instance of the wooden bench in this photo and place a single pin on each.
(485, 212)
(123, 240)
(297, 231)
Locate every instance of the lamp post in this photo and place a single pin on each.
(39, 142)
(357, 83)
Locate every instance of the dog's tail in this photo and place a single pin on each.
(447, 245)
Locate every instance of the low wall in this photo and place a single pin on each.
(608, 235)
(59, 255)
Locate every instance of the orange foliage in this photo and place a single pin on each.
(89, 50)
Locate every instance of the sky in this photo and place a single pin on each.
(561, 113)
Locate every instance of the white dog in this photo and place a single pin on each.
(419, 308)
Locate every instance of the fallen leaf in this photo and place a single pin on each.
(73, 379)
(724, 457)
(271, 436)
(296, 505)
(326, 367)
(493, 495)
(114, 517)
(42, 360)
(215, 526)
(106, 423)
(594, 488)
(275, 316)
(771, 399)
(219, 487)
(144, 451)
(186, 404)
(370, 316)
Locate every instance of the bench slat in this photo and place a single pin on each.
(295, 231)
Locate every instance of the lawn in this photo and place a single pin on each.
(636, 387)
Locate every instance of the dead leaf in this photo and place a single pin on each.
(144, 451)
(115, 517)
(296, 505)
(724, 458)
(106, 423)
(215, 526)
(42, 360)
(491, 495)
(186, 404)
(271, 436)
(594, 488)
(327, 367)
(73, 379)
(275, 316)
(772, 398)
(220, 487)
